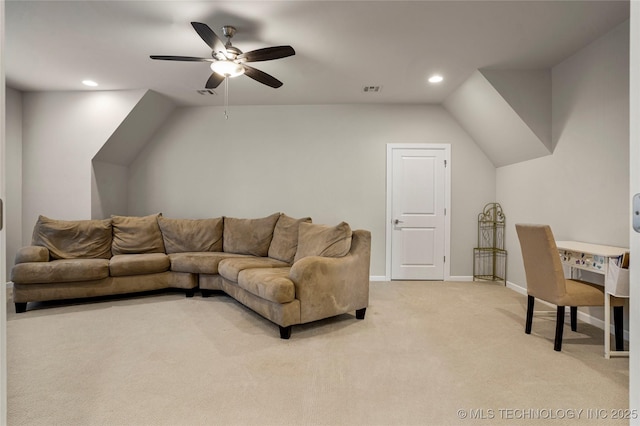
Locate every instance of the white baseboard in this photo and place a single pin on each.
(452, 278)
(460, 278)
(516, 288)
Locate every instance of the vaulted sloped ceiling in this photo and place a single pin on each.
(110, 166)
(135, 131)
(507, 113)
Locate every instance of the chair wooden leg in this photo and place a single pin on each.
(530, 301)
(618, 322)
(557, 344)
(574, 318)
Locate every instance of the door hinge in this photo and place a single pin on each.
(445, 163)
(444, 259)
(445, 211)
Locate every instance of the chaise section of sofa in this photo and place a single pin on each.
(328, 276)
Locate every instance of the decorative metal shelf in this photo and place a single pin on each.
(490, 257)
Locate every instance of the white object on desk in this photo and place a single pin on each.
(596, 258)
(616, 282)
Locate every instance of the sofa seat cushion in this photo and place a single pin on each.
(230, 268)
(200, 262)
(62, 270)
(272, 284)
(138, 264)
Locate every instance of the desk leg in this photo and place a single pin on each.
(607, 325)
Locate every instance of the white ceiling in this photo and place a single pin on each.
(341, 46)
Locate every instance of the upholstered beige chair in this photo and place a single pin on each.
(546, 281)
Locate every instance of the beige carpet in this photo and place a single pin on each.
(425, 351)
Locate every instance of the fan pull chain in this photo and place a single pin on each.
(226, 97)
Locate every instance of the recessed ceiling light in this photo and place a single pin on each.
(435, 79)
(89, 83)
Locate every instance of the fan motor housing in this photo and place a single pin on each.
(228, 31)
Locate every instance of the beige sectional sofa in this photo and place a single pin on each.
(288, 270)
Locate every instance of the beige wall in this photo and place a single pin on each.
(582, 189)
(325, 161)
(61, 133)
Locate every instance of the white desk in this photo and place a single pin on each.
(594, 258)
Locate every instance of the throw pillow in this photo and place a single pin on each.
(285, 238)
(191, 235)
(323, 240)
(249, 236)
(72, 239)
(136, 235)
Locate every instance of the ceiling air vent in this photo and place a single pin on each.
(371, 89)
(206, 92)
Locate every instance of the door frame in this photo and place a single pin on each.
(3, 233)
(634, 238)
(447, 202)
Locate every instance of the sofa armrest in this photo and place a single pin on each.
(329, 286)
(32, 254)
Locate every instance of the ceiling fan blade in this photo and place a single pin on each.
(209, 37)
(214, 81)
(261, 77)
(180, 58)
(267, 54)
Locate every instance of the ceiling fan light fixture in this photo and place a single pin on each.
(228, 61)
(227, 68)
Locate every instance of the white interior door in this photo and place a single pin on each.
(419, 195)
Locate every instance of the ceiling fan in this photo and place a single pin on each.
(229, 61)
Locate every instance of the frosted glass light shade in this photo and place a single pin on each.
(227, 68)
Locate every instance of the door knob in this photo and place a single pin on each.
(397, 221)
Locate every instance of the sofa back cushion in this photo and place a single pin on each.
(249, 236)
(136, 235)
(323, 240)
(285, 238)
(73, 239)
(191, 235)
